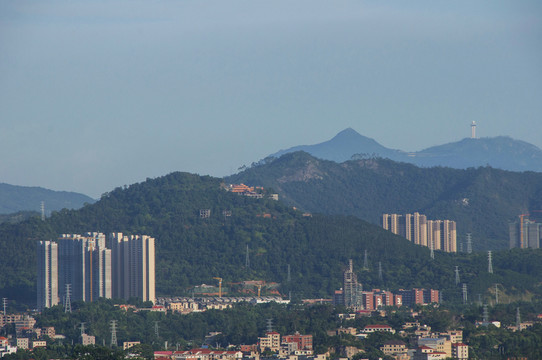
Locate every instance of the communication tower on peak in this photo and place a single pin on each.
(473, 130)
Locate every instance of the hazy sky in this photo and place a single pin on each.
(99, 94)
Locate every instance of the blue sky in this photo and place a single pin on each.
(99, 94)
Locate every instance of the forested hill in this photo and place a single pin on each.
(482, 201)
(192, 250)
(15, 198)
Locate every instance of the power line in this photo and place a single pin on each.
(67, 300)
(113, 324)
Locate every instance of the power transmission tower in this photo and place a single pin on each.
(5, 303)
(432, 254)
(496, 295)
(67, 300)
(457, 281)
(113, 324)
(156, 329)
(365, 261)
(465, 299)
(82, 329)
(461, 246)
(269, 325)
(247, 259)
(485, 318)
(469, 243)
(379, 271)
(479, 299)
(518, 320)
(489, 263)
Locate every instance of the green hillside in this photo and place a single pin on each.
(191, 250)
(482, 201)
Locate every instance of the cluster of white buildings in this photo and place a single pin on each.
(93, 265)
(435, 234)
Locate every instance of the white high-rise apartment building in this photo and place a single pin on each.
(85, 263)
(133, 266)
(47, 274)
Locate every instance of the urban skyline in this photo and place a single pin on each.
(92, 270)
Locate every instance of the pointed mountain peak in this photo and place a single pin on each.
(348, 132)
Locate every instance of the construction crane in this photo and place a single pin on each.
(259, 289)
(219, 286)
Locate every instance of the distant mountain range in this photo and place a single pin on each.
(15, 198)
(482, 200)
(500, 152)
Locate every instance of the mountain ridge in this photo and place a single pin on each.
(501, 152)
(16, 198)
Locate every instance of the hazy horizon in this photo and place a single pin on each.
(96, 95)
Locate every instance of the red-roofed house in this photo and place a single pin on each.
(161, 355)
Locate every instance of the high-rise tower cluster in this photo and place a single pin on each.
(435, 234)
(93, 266)
(525, 233)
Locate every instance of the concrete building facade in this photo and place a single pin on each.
(47, 274)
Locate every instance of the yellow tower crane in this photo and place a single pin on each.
(219, 286)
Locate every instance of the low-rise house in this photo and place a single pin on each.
(374, 328)
(206, 354)
(88, 339)
(128, 344)
(39, 343)
(394, 347)
(23, 343)
(460, 351)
